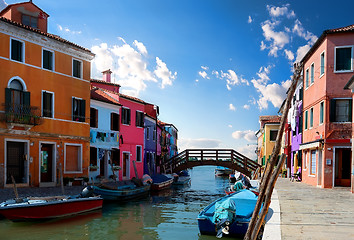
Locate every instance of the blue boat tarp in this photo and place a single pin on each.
(225, 210)
(159, 178)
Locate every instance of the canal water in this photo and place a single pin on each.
(170, 214)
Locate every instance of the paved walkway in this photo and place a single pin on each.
(308, 212)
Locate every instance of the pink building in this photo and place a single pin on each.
(131, 129)
(327, 109)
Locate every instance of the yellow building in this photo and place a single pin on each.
(45, 101)
(267, 134)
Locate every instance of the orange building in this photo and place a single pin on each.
(327, 109)
(45, 101)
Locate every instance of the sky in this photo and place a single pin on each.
(212, 66)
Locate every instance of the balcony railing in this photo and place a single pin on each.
(22, 114)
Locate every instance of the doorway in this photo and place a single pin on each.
(16, 162)
(319, 169)
(126, 164)
(343, 164)
(47, 164)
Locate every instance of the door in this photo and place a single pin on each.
(47, 163)
(343, 167)
(319, 170)
(126, 166)
(15, 162)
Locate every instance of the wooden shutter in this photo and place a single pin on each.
(332, 110)
(72, 159)
(128, 110)
(7, 99)
(350, 110)
(82, 108)
(27, 99)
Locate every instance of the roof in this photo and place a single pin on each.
(163, 124)
(14, 4)
(104, 82)
(131, 98)
(346, 29)
(269, 119)
(52, 36)
(102, 95)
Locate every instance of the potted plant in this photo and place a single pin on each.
(116, 168)
(93, 167)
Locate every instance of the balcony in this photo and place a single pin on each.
(21, 115)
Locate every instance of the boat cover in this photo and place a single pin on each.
(225, 210)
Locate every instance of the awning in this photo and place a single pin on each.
(309, 145)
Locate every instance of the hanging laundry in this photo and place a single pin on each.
(93, 135)
(101, 153)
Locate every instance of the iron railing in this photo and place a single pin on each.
(22, 114)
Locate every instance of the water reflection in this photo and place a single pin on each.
(170, 214)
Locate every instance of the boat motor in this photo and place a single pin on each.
(87, 192)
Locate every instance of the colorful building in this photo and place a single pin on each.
(45, 82)
(150, 138)
(327, 109)
(104, 134)
(267, 134)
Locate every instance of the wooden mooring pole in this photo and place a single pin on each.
(266, 191)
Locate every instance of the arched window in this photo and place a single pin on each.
(17, 100)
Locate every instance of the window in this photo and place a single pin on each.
(273, 135)
(47, 104)
(322, 69)
(307, 78)
(77, 68)
(93, 156)
(115, 121)
(341, 110)
(312, 73)
(47, 59)
(321, 112)
(138, 153)
(78, 109)
(147, 133)
(139, 119)
(73, 158)
(17, 101)
(313, 162)
(126, 116)
(30, 21)
(343, 59)
(93, 118)
(306, 118)
(17, 50)
(154, 134)
(115, 156)
(311, 117)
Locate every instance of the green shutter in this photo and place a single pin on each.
(7, 99)
(73, 110)
(26, 99)
(332, 109)
(350, 110)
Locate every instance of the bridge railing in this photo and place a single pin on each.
(191, 156)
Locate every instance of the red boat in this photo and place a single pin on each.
(160, 182)
(42, 208)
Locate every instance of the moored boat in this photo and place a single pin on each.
(237, 224)
(160, 182)
(222, 171)
(43, 208)
(121, 191)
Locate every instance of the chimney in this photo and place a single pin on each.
(107, 75)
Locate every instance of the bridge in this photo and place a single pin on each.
(218, 157)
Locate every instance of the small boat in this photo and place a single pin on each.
(43, 208)
(121, 191)
(160, 182)
(181, 179)
(222, 171)
(230, 214)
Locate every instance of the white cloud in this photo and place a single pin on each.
(188, 143)
(246, 106)
(280, 11)
(204, 67)
(67, 30)
(248, 150)
(301, 32)
(263, 46)
(230, 126)
(273, 93)
(232, 107)
(232, 79)
(248, 135)
(130, 66)
(197, 80)
(141, 47)
(164, 73)
(3, 4)
(278, 39)
(203, 74)
(289, 54)
(249, 19)
(301, 52)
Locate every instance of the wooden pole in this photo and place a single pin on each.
(268, 196)
(15, 188)
(270, 166)
(61, 179)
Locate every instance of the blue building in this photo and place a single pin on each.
(150, 138)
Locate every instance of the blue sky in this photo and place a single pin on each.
(212, 66)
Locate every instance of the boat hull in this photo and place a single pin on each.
(245, 201)
(161, 185)
(121, 195)
(50, 209)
